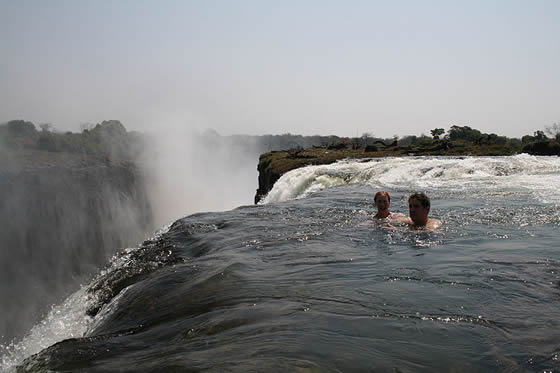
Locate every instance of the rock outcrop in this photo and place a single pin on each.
(273, 165)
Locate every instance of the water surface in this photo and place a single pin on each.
(304, 285)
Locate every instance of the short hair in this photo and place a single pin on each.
(422, 197)
(381, 193)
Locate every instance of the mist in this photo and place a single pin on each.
(62, 216)
(188, 171)
(69, 201)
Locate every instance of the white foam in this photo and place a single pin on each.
(538, 175)
(67, 320)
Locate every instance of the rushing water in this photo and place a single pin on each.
(304, 283)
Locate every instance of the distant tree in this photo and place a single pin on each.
(540, 136)
(19, 133)
(46, 127)
(437, 132)
(464, 133)
(366, 136)
(553, 130)
(50, 142)
(85, 127)
(21, 128)
(408, 140)
(423, 139)
(527, 139)
(494, 139)
(542, 148)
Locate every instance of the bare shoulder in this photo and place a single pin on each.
(397, 215)
(401, 218)
(433, 224)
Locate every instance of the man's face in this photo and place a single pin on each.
(382, 202)
(418, 213)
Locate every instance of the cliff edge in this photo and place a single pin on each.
(67, 204)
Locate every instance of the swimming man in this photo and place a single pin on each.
(418, 209)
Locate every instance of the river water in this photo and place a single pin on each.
(306, 282)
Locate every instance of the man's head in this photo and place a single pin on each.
(382, 200)
(418, 208)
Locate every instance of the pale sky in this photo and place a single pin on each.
(304, 67)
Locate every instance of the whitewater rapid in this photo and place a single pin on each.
(537, 175)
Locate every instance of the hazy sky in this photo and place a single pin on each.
(305, 67)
